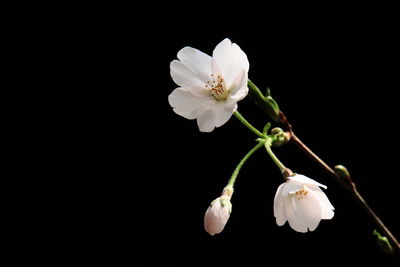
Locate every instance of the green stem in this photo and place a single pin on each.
(266, 102)
(274, 158)
(240, 165)
(256, 90)
(247, 124)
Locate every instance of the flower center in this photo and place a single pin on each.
(217, 88)
(300, 194)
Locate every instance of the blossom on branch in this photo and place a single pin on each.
(302, 203)
(210, 87)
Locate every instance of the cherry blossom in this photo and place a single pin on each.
(209, 87)
(302, 203)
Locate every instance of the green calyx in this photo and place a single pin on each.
(228, 191)
(277, 136)
(225, 201)
(266, 101)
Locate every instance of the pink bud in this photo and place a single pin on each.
(217, 215)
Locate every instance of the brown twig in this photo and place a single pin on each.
(348, 184)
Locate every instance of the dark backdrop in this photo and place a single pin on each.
(96, 168)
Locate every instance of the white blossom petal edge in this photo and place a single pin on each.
(209, 87)
(302, 203)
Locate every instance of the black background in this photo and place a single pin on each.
(97, 168)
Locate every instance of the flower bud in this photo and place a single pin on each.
(280, 137)
(218, 212)
(342, 172)
(273, 107)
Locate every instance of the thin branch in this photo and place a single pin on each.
(348, 184)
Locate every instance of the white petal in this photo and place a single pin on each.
(301, 179)
(223, 111)
(294, 222)
(279, 201)
(231, 60)
(291, 188)
(239, 89)
(196, 61)
(327, 210)
(188, 105)
(186, 78)
(217, 116)
(307, 212)
(206, 121)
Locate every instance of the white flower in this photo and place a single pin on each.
(210, 87)
(302, 203)
(218, 212)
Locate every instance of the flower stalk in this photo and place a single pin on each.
(218, 213)
(265, 140)
(235, 173)
(278, 163)
(247, 124)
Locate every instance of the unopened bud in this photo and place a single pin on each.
(273, 107)
(218, 212)
(280, 137)
(342, 172)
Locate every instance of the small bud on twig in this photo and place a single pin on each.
(280, 137)
(383, 242)
(342, 171)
